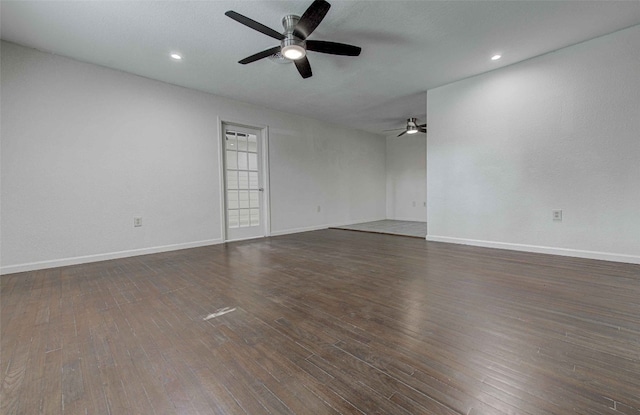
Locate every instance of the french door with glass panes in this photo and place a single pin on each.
(244, 200)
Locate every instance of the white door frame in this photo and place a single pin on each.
(266, 199)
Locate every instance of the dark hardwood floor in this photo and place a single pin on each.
(325, 322)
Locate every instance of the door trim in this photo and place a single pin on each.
(266, 197)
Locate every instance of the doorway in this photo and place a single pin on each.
(246, 201)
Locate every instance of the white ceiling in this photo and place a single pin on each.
(408, 47)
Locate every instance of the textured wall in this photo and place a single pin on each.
(85, 149)
(560, 131)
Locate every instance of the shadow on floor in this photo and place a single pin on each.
(391, 227)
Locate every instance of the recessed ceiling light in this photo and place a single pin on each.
(175, 56)
(496, 57)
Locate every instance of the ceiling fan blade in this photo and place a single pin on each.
(260, 55)
(254, 25)
(402, 133)
(423, 130)
(333, 48)
(422, 126)
(303, 67)
(311, 18)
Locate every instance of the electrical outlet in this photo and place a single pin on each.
(137, 221)
(319, 209)
(557, 215)
(424, 204)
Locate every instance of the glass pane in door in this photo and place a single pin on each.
(243, 192)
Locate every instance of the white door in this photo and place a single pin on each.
(244, 189)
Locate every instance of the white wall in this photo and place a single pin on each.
(407, 177)
(85, 149)
(560, 131)
(313, 167)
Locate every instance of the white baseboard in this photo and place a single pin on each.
(33, 266)
(603, 256)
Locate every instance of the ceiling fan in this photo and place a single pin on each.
(412, 127)
(293, 41)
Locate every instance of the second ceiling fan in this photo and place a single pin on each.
(412, 127)
(293, 41)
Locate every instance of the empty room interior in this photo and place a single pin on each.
(312, 207)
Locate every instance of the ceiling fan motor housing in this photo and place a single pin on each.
(412, 126)
(289, 22)
(290, 40)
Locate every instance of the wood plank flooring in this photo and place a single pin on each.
(325, 322)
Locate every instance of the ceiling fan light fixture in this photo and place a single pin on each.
(293, 52)
(412, 131)
(292, 47)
